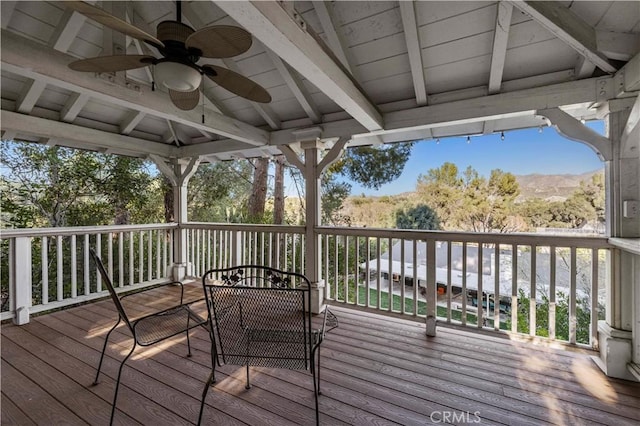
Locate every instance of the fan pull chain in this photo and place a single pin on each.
(202, 87)
(153, 79)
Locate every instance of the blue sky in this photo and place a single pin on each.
(522, 152)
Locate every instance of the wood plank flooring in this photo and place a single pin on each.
(376, 370)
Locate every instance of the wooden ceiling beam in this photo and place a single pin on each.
(29, 96)
(288, 38)
(568, 27)
(296, 86)
(89, 138)
(500, 39)
(410, 25)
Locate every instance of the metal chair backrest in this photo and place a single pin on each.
(114, 296)
(261, 316)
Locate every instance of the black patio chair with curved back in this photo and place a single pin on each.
(148, 329)
(260, 316)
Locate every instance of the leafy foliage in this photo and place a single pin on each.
(418, 217)
(374, 166)
(55, 186)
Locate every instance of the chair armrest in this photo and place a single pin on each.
(329, 322)
(159, 286)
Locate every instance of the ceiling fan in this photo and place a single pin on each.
(181, 48)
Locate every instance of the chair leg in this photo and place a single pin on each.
(115, 396)
(104, 348)
(248, 385)
(187, 333)
(316, 391)
(318, 355)
(210, 381)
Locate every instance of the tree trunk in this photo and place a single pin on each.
(278, 192)
(258, 196)
(168, 200)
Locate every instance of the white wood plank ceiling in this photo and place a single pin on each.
(373, 72)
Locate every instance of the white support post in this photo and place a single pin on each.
(616, 333)
(21, 282)
(311, 169)
(178, 172)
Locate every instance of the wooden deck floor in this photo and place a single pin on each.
(375, 370)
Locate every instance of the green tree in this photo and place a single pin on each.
(54, 186)
(470, 201)
(418, 217)
(372, 166)
(219, 192)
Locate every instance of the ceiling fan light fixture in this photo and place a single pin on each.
(177, 76)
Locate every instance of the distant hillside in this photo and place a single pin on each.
(552, 187)
(380, 211)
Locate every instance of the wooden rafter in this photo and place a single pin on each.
(568, 27)
(500, 39)
(410, 25)
(287, 37)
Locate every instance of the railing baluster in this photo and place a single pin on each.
(496, 290)
(464, 284)
(120, 259)
(480, 293)
(449, 283)
(552, 292)
(44, 267)
(327, 283)
(140, 256)
(533, 305)
(356, 275)
(87, 281)
(158, 253)
(131, 254)
(593, 337)
(514, 288)
(432, 301)
(390, 278)
(149, 255)
(346, 270)
(74, 268)
(416, 284)
(378, 273)
(59, 269)
(98, 250)
(572, 297)
(170, 263)
(336, 290)
(403, 308)
(110, 255)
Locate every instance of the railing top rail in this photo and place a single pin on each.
(46, 232)
(291, 229)
(473, 237)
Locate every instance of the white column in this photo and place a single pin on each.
(313, 213)
(616, 332)
(178, 171)
(20, 262)
(311, 169)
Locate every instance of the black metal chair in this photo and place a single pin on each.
(260, 316)
(149, 329)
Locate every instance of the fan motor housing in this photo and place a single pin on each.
(174, 35)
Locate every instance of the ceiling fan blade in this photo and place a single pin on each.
(220, 41)
(112, 63)
(185, 100)
(237, 83)
(112, 22)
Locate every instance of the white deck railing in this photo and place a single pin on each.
(475, 279)
(223, 245)
(49, 268)
(478, 278)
